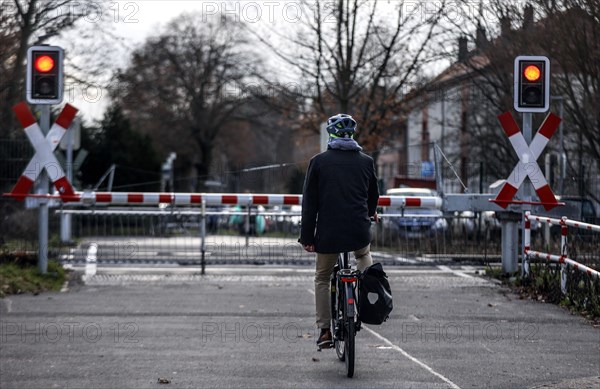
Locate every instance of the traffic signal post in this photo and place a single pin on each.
(527, 119)
(43, 188)
(44, 87)
(531, 95)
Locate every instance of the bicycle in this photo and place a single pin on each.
(344, 313)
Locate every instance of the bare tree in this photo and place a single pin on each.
(255, 155)
(479, 84)
(24, 23)
(186, 85)
(352, 59)
(571, 38)
(502, 30)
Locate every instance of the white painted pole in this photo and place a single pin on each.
(527, 117)
(43, 203)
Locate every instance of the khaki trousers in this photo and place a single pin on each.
(324, 268)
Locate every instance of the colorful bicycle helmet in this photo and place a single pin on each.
(341, 125)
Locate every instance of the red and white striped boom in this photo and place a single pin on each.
(190, 199)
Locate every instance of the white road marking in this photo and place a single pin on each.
(487, 348)
(407, 355)
(413, 318)
(415, 360)
(394, 257)
(455, 272)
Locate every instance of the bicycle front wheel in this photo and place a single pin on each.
(340, 349)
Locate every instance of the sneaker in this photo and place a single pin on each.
(325, 339)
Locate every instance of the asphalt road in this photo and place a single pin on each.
(254, 327)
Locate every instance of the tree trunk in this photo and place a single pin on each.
(203, 168)
(12, 92)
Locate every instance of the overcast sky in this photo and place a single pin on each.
(135, 21)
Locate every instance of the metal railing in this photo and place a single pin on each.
(253, 235)
(562, 259)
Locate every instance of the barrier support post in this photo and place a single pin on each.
(526, 244)
(65, 219)
(564, 253)
(247, 224)
(510, 240)
(203, 237)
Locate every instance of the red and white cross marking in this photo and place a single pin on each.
(528, 156)
(44, 151)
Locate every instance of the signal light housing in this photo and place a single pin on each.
(531, 83)
(44, 75)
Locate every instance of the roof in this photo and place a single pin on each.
(460, 70)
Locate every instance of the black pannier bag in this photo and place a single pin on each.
(374, 295)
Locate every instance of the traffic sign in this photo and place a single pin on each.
(527, 165)
(44, 158)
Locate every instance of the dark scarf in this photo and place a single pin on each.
(346, 144)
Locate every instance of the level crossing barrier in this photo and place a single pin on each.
(102, 204)
(151, 228)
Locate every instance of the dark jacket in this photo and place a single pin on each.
(340, 194)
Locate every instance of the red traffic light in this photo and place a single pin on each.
(532, 73)
(44, 77)
(44, 63)
(531, 83)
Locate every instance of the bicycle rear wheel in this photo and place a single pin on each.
(349, 329)
(339, 323)
(349, 346)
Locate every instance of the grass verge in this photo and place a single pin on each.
(16, 279)
(582, 295)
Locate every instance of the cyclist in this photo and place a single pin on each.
(340, 195)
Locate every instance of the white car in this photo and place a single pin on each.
(416, 222)
(466, 223)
